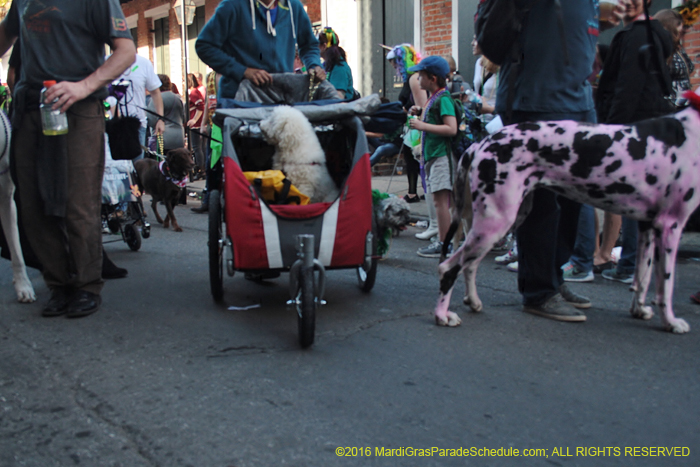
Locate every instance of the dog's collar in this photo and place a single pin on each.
(693, 99)
(165, 170)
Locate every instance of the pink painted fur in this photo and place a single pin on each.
(648, 171)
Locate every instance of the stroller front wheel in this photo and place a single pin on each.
(132, 237)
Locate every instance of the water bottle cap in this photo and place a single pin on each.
(48, 84)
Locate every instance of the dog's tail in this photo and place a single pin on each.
(458, 199)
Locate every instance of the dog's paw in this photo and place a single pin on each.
(641, 311)
(678, 326)
(451, 320)
(25, 294)
(177, 228)
(475, 304)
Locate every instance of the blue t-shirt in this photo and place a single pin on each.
(546, 83)
(341, 78)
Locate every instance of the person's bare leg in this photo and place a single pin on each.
(611, 231)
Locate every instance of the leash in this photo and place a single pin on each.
(203, 135)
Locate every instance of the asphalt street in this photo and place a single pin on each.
(162, 376)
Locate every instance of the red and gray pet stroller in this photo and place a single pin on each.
(248, 234)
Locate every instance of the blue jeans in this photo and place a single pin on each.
(628, 257)
(582, 256)
(383, 151)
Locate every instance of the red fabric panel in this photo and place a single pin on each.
(354, 216)
(299, 212)
(243, 220)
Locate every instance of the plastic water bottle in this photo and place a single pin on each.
(53, 122)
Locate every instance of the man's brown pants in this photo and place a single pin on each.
(77, 264)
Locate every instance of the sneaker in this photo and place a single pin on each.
(613, 275)
(427, 234)
(509, 257)
(599, 268)
(574, 299)
(503, 244)
(556, 308)
(411, 199)
(513, 267)
(434, 250)
(574, 274)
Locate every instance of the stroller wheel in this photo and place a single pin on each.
(146, 230)
(132, 237)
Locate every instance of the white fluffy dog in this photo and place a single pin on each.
(299, 154)
(8, 217)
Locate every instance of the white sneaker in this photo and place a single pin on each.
(513, 267)
(427, 234)
(509, 257)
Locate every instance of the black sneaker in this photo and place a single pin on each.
(574, 299)
(556, 308)
(202, 209)
(58, 303)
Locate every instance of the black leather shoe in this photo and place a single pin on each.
(111, 270)
(58, 303)
(84, 303)
(202, 209)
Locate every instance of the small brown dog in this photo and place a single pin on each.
(164, 181)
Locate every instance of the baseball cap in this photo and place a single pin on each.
(437, 66)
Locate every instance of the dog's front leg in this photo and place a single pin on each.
(471, 298)
(8, 217)
(447, 273)
(667, 246)
(642, 273)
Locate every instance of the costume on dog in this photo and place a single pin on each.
(392, 214)
(645, 171)
(299, 153)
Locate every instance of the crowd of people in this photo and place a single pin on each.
(563, 67)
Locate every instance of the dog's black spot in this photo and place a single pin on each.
(551, 124)
(499, 136)
(649, 262)
(556, 157)
(637, 148)
(673, 158)
(656, 254)
(503, 175)
(448, 279)
(613, 167)
(538, 174)
(668, 190)
(522, 167)
(619, 136)
(678, 174)
(487, 171)
(591, 152)
(621, 188)
(651, 179)
(667, 130)
(516, 143)
(475, 194)
(526, 182)
(623, 179)
(503, 152)
(533, 145)
(689, 194)
(651, 213)
(528, 126)
(596, 193)
(644, 226)
(669, 250)
(560, 131)
(667, 276)
(674, 226)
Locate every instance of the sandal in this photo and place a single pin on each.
(599, 268)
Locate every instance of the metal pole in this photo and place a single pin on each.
(183, 32)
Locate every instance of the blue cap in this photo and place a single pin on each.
(437, 66)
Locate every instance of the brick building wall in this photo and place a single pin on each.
(313, 9)
(691, 42)
(436, 21)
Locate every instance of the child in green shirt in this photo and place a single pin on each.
(438, 124)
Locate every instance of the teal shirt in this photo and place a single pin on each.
(438, 146)
(341, 77)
